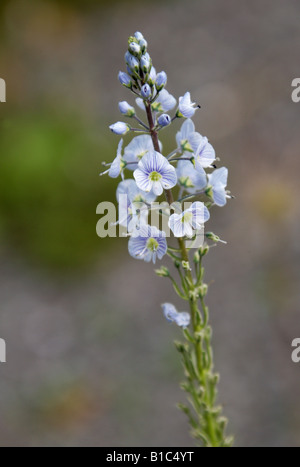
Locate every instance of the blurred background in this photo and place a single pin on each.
(90, 358)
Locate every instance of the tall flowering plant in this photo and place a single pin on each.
(189, 172)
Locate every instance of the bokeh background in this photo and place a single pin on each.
(90, 357)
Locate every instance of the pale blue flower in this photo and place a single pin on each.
(125, 79)
(189, 141)
(146, 91)
(171, 314)
(183, 136)
(189, 221)
(165, 102)
(126, 109)
(135, 195)
(118, 165)
(120, 128)
(189, 178)
(205, 154)
(164, 120)
(148, 244)
(137, 149)
(133, 205)
(218, 182)
(161, 80)
(155, 173)
(186, 108)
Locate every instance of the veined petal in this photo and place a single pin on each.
(186, 107)
(137, 149)
(167, 101)
(142, 180)
(187, 128)
(219, 195)
(137, 247)
(157, 188)
(140, 103)
(219, 176)
(176, 225)
(200, 212)
(189, 178)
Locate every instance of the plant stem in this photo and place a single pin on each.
(198, 357)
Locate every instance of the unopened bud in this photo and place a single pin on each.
(146, 91)
(202, 290)
(145, 63)
(204, 250)
(164, 120)
(126, 109)
(161, 81)
(143, 44)
(186, 265)
(214, 237)
(120, 128)
(125, 79)
(197, 257)
(132, 62)
(138, 36)
(163, 272)
(134, 48)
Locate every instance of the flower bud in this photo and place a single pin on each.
(164, 120)
(143, 44)
(202, 290)
(163, 272)
(146, 91)
(214, 237)
(186, 265)
(139, 36)
(120, 128)
(152, 76)
(125, 79)
(134, 48)
(132, 62)
(145, 63)
(204, 250)
(197, 257)
(161, 81)
(126, 109)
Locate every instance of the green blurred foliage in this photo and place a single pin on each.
(51, 187)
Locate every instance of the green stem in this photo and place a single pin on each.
(209, 426)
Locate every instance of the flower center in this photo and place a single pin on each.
(187, 217)
(186, 182)
(139, 199)
(152, 245)
(155, 177)
(185, 145)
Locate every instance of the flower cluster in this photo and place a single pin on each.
(189, 172)
(189, 168)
